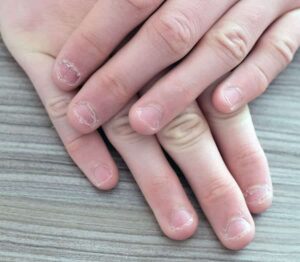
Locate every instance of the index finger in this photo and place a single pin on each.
(100, 32)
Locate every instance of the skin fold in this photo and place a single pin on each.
(218, 153)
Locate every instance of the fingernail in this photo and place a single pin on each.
(151, 116)
(258, 194)
(68, 73)
(85, 114)
(101, 175)
(181, 218)
(237, 228)
(233, 97)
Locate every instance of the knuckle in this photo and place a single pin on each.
(120, 128)
(217, 190)
(116, 86)
(176, 31)
(284, 48)
(248, 156)
(92, 40)
(57, 107)
(184, 131)
(231, 43)
(73, 146)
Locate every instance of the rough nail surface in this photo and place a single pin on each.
(68, 73)
(101, 175)
(233, 97)
(237, 228)
(181, 218)
(85, 114)
(151, 116)
(258, 194)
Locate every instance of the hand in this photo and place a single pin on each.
(221, 34)
(35, 31)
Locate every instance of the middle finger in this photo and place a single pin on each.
(190, 143)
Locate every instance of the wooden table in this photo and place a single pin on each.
(50, 212)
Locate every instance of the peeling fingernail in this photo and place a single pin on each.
(181, 218)
(101, 175)
(85, 114)
(68, 73)
(237, 228)
(233, 97)
(151, 116)
(258, 194)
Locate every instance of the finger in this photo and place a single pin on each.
(188, 140)
(223, 48)
(165, 38)
(155, 177)
(88, 151)
(272, 54)
(101, 31)
(242, 153)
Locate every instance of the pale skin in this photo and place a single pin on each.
(228, 171)
(210, 37)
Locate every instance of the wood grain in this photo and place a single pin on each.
(49, 212)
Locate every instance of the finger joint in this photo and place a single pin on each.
(116, 86)
(176, 31)
(120, 128)
(57, 107)
(217, 190)
(231, 43)
(285, 48)
(184, 131)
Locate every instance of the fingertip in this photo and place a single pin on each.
(219, 103)
(242, 239)
(228, 99)
(178, 230)
(259, 198)
(104, 177)
(82, 116)
(139, 124)
(65, 74)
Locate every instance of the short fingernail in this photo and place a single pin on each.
(101, 175)
(233, 97)
(237, 228)
(85, 114)
(67, 73)
(151, 116)
(258, 194)
(181, 218)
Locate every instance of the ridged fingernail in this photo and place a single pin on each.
(233, 97)
(181, 218)
(101, 175)
(67, 73)
(258, 194)
(85, 114)
(237, 228)
(151, 116)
